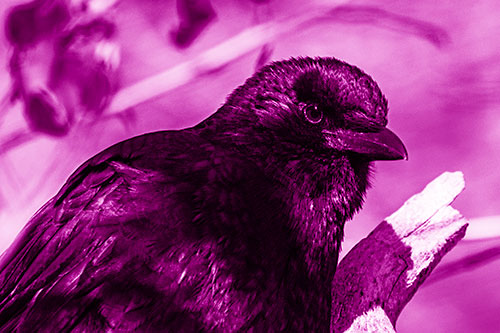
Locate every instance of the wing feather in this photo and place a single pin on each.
(102, 226)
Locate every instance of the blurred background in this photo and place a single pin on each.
(79, 75)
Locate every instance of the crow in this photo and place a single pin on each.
(234, 224)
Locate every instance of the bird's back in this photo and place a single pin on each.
(106, 249)
(161, 231)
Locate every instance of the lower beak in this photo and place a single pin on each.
(381, 145)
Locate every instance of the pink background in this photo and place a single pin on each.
(436, 61)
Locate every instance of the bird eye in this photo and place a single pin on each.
(313, 114)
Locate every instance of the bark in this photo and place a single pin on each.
(380, 275)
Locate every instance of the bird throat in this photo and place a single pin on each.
(322, 197)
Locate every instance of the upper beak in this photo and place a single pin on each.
(381, 145)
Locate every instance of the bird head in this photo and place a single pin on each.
(311, 120)
(321, 104)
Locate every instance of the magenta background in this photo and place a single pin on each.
(444, 104)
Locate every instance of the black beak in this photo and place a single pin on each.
(381, 145)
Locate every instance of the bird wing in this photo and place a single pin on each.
(111, 229)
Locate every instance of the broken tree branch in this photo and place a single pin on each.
(380, 275)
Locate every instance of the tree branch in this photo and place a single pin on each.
(380, 275)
